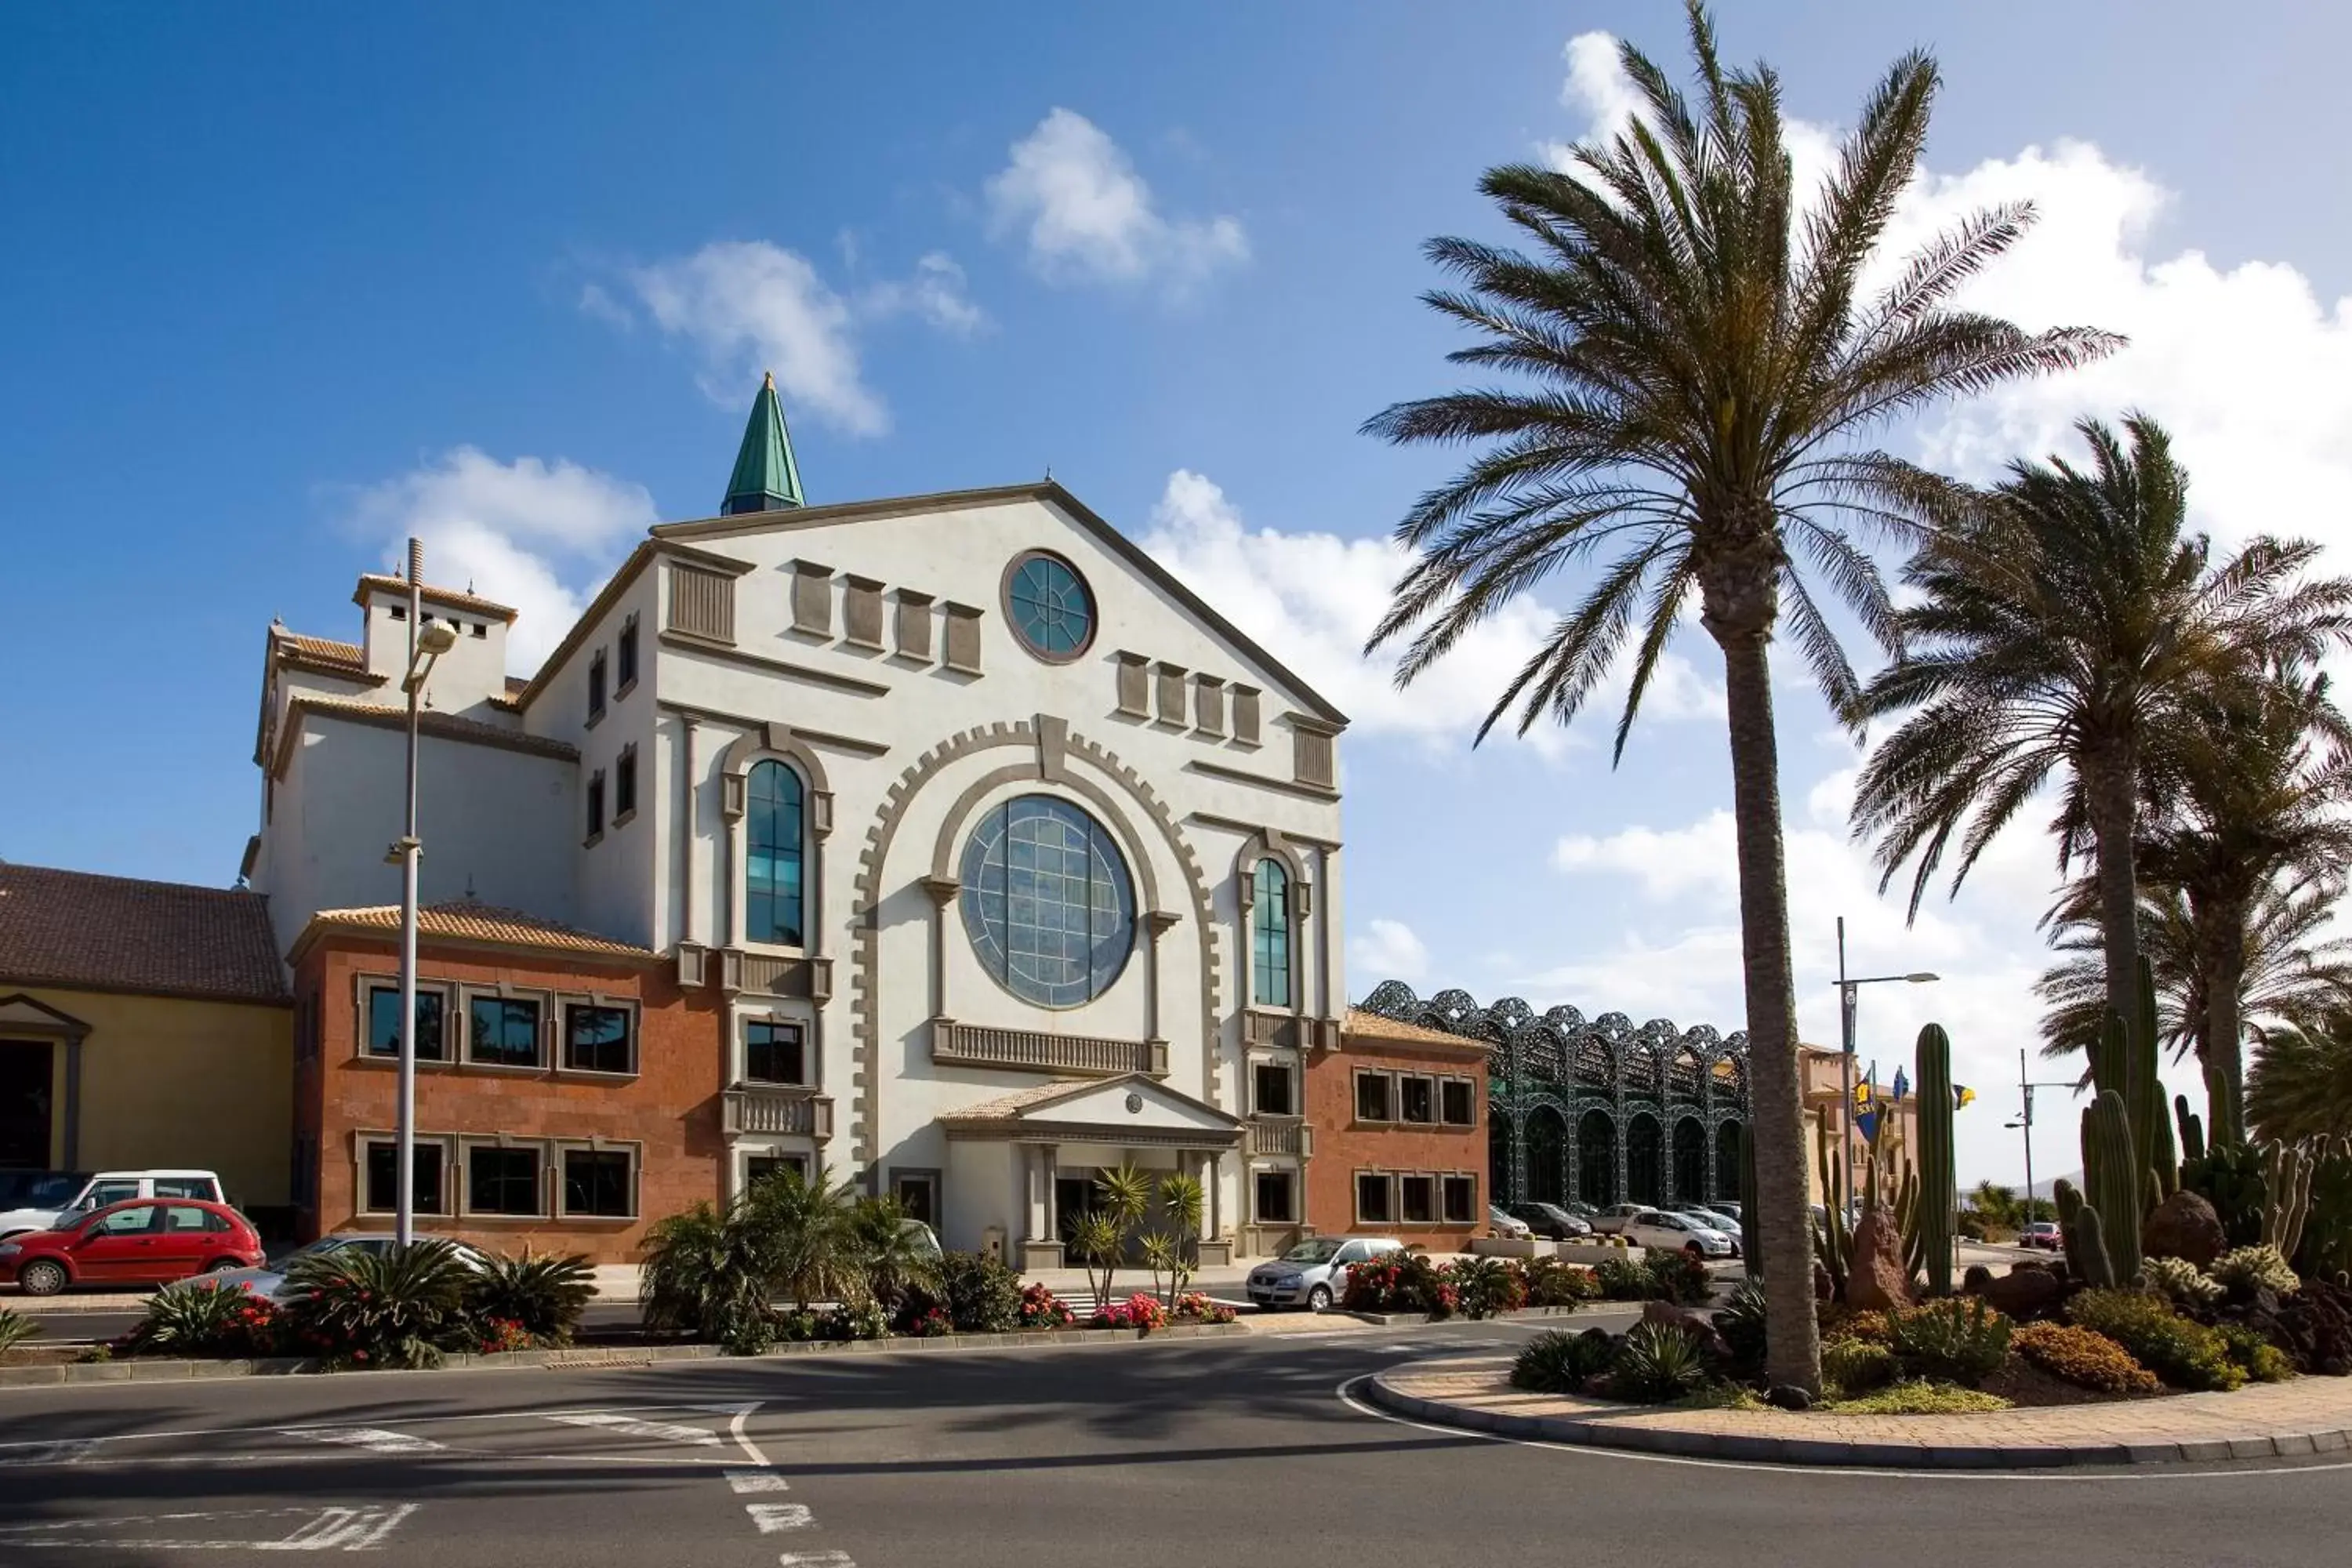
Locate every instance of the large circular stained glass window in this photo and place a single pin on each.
(1046, 902)
(1049, 607)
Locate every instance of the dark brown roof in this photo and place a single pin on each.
(90, 932)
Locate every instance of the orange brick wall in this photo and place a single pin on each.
(671, 1108)
(1344, 1146)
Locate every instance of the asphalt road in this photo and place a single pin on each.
(1177, 1453)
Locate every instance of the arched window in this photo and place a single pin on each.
(771, 859)
(1270, 935)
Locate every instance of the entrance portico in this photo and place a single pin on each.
(1024, 1146)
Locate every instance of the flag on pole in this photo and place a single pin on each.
(1902, 1085)
(1867, 1121)
(1962, 1096)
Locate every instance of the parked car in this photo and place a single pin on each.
(1504, 1224)
(39, 1189)
(147, 1241)
(111, 1187)
(1679, 1232)
(1314, 1274)
(1612, 1220)
(1551, 1220)
(269, 1278)
(1714, 1214)
(1580, 1209)
(2043, 1233)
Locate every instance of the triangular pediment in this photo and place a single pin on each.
(22, 1013)
(1136, 1101)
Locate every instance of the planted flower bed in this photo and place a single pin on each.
(1481, 1287)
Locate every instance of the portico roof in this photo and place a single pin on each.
(1136, 1108)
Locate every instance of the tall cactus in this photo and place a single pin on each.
(1939, 1195)
(2117, 1178)
(2192, 1130)
(2151, 1128)
(2225, 1103)
(1829, 1244)
(1751, 1235)
(2079, 1228)
(2287, 1169)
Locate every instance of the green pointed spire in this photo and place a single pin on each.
(765, 479)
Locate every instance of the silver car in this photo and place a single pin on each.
(1314, 1274)
(270, 1280)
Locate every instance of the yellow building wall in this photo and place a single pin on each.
(168, 1081)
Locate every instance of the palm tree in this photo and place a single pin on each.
(1706, 367)
(894, 1257)
(805, 1236)
(2302, 1083)
(2064, 619)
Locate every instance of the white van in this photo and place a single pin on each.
(115, 1187)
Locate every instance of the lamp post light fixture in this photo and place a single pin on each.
(425, 644)
(1846, 988)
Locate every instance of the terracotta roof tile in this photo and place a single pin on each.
(432, 595)
(1362, 1025)
(90, 932)
(1012, 1104)
(467, 919)
(321, 651)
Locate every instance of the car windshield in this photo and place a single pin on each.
(1319, 1250)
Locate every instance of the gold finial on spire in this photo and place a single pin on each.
(768, 379)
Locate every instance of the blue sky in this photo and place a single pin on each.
(280, 283)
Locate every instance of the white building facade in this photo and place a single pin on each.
(1006, 858)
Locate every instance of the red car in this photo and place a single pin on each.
(147, 1241)
(2041, 1233)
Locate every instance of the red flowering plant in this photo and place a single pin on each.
(205, 1317)
(1196, 1308)
(500, 1334)
(1141, 1311)
(1041, 1309)
(1400, 1282)
(931, 1323)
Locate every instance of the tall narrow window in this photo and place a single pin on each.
(595, 806)
(1270, 935)
(596, 687)
(624, 784)
(772, 870)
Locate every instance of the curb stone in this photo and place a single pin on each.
(138, 1369)
(1812, 1451)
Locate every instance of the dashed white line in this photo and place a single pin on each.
(744, 1481)
(773, 1517)
(374, 1440)
(833, 1558)
(630, 1426)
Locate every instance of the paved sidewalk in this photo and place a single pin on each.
(2303, 1416)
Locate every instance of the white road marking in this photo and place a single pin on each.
(329, 1529)
(738, 1429)
(743, 1481)
(345, 1530)
(630, 1426)
(64, 1452)
(771, 1517)
(829, 1559)
(374, 1440)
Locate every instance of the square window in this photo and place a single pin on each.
(1458, 1102)
(1375, 1195)
(599, 1183)
(759, 1168)
(1372, 1097)
(598, 1039)
(1277, 1198)
(382, 1157)
(1270, 1090)
(383, 1024)
(1417, 1199)
(1460, 1195)
(1417, 1100)
(502, 1032)
(773, 1053)
(502, 1181)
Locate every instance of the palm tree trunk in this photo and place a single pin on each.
(2111, 789)
(2225, 977)
(1792, 1343)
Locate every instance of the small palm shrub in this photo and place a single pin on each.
(2184, 1355)
(1857, 1366)
(704, 1273)
(894, 1259)
(1485, 1285)
(15, 1328)
(2245, 1269)
(202, 1317)
(542, 1295)
(2082, 1357)
(1957, 1340)
(1556, 1361)
(1740, 1321)
(387, 1308)
(2253, 1353)
(2182, 1281)
(1656, 1364)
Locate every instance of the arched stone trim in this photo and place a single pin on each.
(1055, 743)
(1268, 841)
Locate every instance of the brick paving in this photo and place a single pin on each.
(2303, 1416)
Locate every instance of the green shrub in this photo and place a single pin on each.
(2181, 1281)
(2185, 1355)
(387, 1308)
(1656, 1364)
(203, 1317)
(1740, 1321)
(1849, 1323)
(1857, 1366)
(1485, 1285)
(2082, 1357)
(982, 1295)
(1918, 1398)
(1551, 1283)
(2245, 1269)
(542, 1294)
(1556, 1361)
(15, 1328)
(1957, 1340)
(1623, 1279)
(2253, 1354)
(704, 1273)
(1723, 1395)
(1680, 1277)
(1398, 1282)
(865, 1320)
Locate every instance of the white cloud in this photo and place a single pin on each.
(1388, 950)
(934, 295)
(1596, 87)
(1089, 217)
(1311, 599)
(534, 534)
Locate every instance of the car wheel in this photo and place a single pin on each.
(223, 1265)
(1693, 1249)
(41, 1278)
(1318, 1300)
